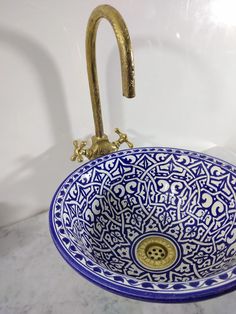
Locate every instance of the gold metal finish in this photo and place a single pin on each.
(156, 252)
(100, 146)
(100, 142)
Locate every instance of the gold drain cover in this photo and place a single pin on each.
(156, 252)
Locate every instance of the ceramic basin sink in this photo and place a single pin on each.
(155, 224)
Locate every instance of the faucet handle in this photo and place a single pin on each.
(79, 151)
(123, 138)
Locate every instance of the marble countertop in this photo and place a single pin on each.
(35, 279)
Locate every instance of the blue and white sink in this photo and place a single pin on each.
(155, 224)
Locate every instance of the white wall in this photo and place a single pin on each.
(185, 56)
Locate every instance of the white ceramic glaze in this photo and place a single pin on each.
(106, 208)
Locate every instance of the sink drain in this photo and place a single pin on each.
(156, 252)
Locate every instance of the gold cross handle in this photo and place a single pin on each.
(100, 146)
(123, 138)
(79, 151)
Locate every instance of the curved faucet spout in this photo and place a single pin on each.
(126, 58)
(100, 142)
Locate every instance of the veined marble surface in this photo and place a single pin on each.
(34, 279)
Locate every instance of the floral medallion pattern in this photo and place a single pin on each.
(103, 208)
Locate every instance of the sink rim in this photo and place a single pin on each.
(214, 285)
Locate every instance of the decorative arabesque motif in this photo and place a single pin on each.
(107, 205)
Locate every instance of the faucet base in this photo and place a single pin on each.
(100, 146)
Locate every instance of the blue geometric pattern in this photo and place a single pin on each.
(103, 208)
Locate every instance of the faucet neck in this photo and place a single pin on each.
(126, 59)
(100, 142)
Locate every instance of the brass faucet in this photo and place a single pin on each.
(100, 142)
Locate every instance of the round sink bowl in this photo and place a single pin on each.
(155, 224)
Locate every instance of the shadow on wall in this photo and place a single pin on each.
(35, 180)
(159, 78)
(28, 190)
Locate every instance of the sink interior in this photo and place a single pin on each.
(186, 200)
(154, 215)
